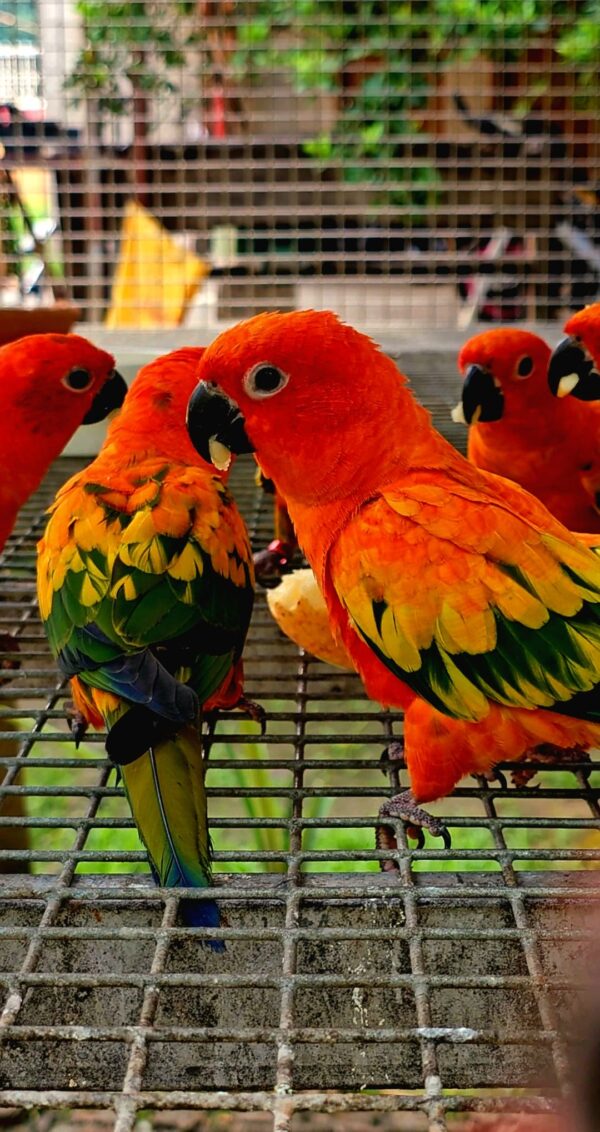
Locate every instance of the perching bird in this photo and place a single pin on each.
(575, 363)
(145, 586)
(519, 430)
(456, 594)
(49, 385)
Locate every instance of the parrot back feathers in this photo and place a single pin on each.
(148, 610)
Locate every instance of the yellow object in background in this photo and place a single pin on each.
(298, 607)
(155, 277)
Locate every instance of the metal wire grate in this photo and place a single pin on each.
(341, 988)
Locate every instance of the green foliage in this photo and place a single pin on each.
(398, 45)
(140, 41)
(580, 45)
(377, 56)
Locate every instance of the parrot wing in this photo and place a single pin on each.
(145, 579)
(466, 601)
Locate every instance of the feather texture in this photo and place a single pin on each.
(165, 789)
(145, 586)
(546, 444)
(456, 594)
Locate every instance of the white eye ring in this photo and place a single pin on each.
(77, 380)
(264, 380)
(524, 368)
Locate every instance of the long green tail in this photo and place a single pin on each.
(165, 789)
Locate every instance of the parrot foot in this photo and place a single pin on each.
(394, 753)
(494, 775)
(404, 807)
(254, 711)
(547, 753)
(270, 564)
(9, 644)
(78, 724)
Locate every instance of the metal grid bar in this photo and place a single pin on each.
(441, 992)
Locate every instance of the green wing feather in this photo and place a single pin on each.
(517, 622)
(178, 566)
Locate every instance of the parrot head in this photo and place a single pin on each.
(504, 375)
(52, 383)
(153, 414)
(311, 396)
(575, 363)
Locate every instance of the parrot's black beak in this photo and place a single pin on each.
(110, 397)
(571, 370)
(482, 399)
(216, 425)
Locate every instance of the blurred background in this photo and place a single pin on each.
(192, 162)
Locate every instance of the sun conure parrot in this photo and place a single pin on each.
(49, 385)
(145, 585)
(519, 430)
(575, 363)
(457, 595)
(574, 368)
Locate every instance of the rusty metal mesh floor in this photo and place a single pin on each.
(444, 988)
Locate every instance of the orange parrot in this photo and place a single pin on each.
(574, 369)
(575, 363)
(457, 595)
(519, 430)
(145, 587)
(50, 384)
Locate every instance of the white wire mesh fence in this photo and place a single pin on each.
(405, 163)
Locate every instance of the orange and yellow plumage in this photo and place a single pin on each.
(145, 587)
(456, 594)
(518, 429)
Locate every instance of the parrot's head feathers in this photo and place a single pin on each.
(314, 398)
(575, 363)
(57, 382)
(154, 410)
(504, 374)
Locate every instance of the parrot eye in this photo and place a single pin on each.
(525, 366)
(263, 380)
(78, 380)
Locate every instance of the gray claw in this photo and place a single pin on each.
(393, 753)
(403, 807)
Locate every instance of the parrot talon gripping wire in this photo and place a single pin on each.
(403, 807)
(254, 711)
(78, 724)
(494, 775)
(392, 754)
